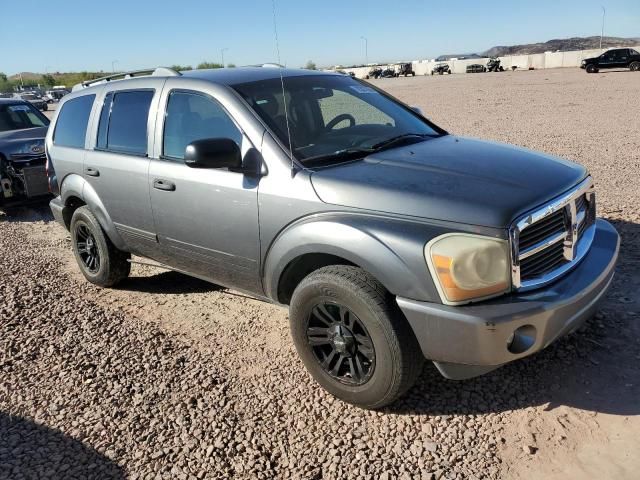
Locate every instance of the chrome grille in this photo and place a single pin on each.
(549, 241)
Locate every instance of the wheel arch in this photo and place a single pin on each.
(316, 243)
(76, 192)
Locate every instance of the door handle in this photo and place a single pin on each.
(92, 172)
(165, 185)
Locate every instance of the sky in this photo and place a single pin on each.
(73, 35)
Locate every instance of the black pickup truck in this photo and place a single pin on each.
(616, 58)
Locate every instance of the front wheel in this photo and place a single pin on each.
(352, 337)
(592, 69)
(99, 260)
(635, 67)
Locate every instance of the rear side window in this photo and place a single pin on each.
(71, 126)
(123, 122)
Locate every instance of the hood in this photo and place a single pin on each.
(14, 141)
(450, 178)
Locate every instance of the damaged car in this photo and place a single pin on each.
(23, 176)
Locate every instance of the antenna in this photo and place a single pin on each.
(284, 98)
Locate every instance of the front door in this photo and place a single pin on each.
(612, 59)
(117, 165)
(206, 219)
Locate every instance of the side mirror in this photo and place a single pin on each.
(417, 110)
(213, 153)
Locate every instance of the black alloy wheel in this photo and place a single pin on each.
(87, 248)
(341, 344)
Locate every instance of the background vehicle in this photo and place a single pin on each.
(22, 156)
(476, 68)
(493, 65)
(388, 72)
(35, 100)
(56, 94)
(441, 69)
(406, 69)
(616, 58)
(348, 206)
(374, 73)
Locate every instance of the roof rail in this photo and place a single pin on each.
(266, 65)
(158, 72)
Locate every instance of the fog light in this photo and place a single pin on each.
(522, 339)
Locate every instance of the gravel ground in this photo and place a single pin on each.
(171, 377)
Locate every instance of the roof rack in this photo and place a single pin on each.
(157, 72)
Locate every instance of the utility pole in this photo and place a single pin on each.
(604, 12)
(366, 50)
(113, 66)
(222, 54)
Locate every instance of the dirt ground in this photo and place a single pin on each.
(569, 412)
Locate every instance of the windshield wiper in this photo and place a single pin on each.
(353, 153)
(339, 155)
(389, 142)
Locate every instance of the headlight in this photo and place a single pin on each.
(468, 267)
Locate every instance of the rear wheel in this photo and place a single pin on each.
(635, 67)
(352, 337)
(99, 260)
(592, 69)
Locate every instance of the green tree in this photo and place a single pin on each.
(231, 65)
(205, 65)
(310, 65)
(48, 80)
(179, 68)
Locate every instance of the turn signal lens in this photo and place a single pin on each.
(468, 267)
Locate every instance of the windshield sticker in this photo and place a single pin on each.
(362, 89)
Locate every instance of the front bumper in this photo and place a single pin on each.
(471, 340)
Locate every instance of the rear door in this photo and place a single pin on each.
(117, 164)
(207, 219)
(623, 58)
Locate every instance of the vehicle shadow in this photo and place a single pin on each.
(595, 369)
(30, 450)
(168, 283)
(34, 212)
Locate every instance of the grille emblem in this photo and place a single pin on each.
(37, 149)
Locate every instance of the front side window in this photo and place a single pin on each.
(71, 126)
(331, 115)
(633, 52)
(192, 116)
(18, 117)
(123, 122)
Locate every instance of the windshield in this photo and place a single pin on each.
(330, 115)
(29, 96)
(18, 117)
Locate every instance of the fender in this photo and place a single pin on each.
(74, 185)
(390, 249)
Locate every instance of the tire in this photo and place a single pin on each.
(378, 356)
(634, 67)
(89, 241)
(45, 107)
(591, 68)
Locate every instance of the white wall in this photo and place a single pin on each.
(523, 62)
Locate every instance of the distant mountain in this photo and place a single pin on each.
(575, 43)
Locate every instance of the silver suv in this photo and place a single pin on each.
(391, 240)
